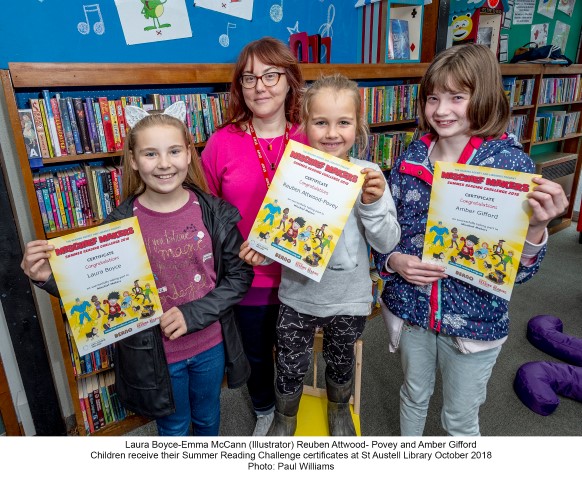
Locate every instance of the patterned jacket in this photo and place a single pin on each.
(449, 305)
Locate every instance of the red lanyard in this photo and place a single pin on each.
(260, 153)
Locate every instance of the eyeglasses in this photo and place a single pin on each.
(269, 79)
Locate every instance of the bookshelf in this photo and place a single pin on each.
(31, 78)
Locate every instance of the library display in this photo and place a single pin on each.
(478, 218)
(305, 209)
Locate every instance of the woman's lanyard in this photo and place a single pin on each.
(260, 153)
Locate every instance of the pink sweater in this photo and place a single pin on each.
(234, 173)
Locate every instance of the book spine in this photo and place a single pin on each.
(105, 400)
(107, 191)
(40, 200)
(59, 126)
(82, 124)
(74, 126)
(66, 199)
(115, 126)
(92, 404)
(121, 120)
(107, 125)
(59, 201)
(45, 124)
(98, 404)
(88, 177)
(83, 412)
(47, 202)
(67, 128)
(98, 194)
(54, 200)
(99, 123)
(40, 127)
(75, 198)
(93, 135)
(84, 388)
(51, 123)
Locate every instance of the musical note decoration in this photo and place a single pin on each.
(224, 39)
(85, 27)
(276, 12)
(326, 29)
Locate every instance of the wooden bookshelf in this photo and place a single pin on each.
(32, 77)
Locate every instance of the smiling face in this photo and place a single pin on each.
(161, 157)
(265, 102)
(331, 126)
(446, 113)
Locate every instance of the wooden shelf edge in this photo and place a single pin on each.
(553, 156)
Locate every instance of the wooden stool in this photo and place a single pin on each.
(316, 391)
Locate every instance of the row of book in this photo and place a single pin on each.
(519, 91)
(56, 126)
(389, 103)
(205, 112)
(551, 125)
(76, 195)
(384, 148)
(561, 90)
(98, 401)
(518, 125)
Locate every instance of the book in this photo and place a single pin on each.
(92, 125)
(59, 126)
(51, 123)
(107, 124)
(122, 122)
(67, 128)
(399, 43)
(31, 142)
(89, 406)
(40, 128)
(487, 209)
(305, 209)
(46, 127)
(82, 124)
(97, 397)
(97, 264)
(38, 187)
(115, 126)
(74, 126)
(99, 125)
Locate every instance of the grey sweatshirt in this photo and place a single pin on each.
(345, 287)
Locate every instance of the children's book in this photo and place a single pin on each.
(305, 209)
(478, 218)
(30, 135)
(98, 272)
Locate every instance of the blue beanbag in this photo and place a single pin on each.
(538, 384)
(545, 333)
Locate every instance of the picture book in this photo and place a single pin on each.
(478, 218)
(106, 283)
(305, 209)
(30, 135)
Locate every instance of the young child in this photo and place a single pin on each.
(437, 321)
(174, 372)
(333, 123)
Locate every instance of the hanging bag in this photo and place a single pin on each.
(531, 53)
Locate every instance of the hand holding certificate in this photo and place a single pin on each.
(477, 223)
(305, 209)
(106, 283)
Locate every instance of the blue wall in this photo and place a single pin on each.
(46, 31)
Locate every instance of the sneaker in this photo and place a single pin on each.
(263, 424)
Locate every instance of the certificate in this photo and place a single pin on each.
(106, 283)
(305, 209)
(478, 218)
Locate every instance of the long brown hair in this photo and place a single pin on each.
(273, 52)
(133, 185)
(474, 69)
(338, 84)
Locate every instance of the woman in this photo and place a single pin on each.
(240, 160)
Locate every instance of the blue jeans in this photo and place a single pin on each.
(464, 376)
(196, 384)
(257, 328)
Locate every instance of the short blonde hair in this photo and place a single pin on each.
(133, 185)
(338, 83)
(470, 68)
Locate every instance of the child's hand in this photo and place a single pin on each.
(414, 271)
(173, 323)
(374, 185)
(250, 256)
(547, 201)
(35, 261)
